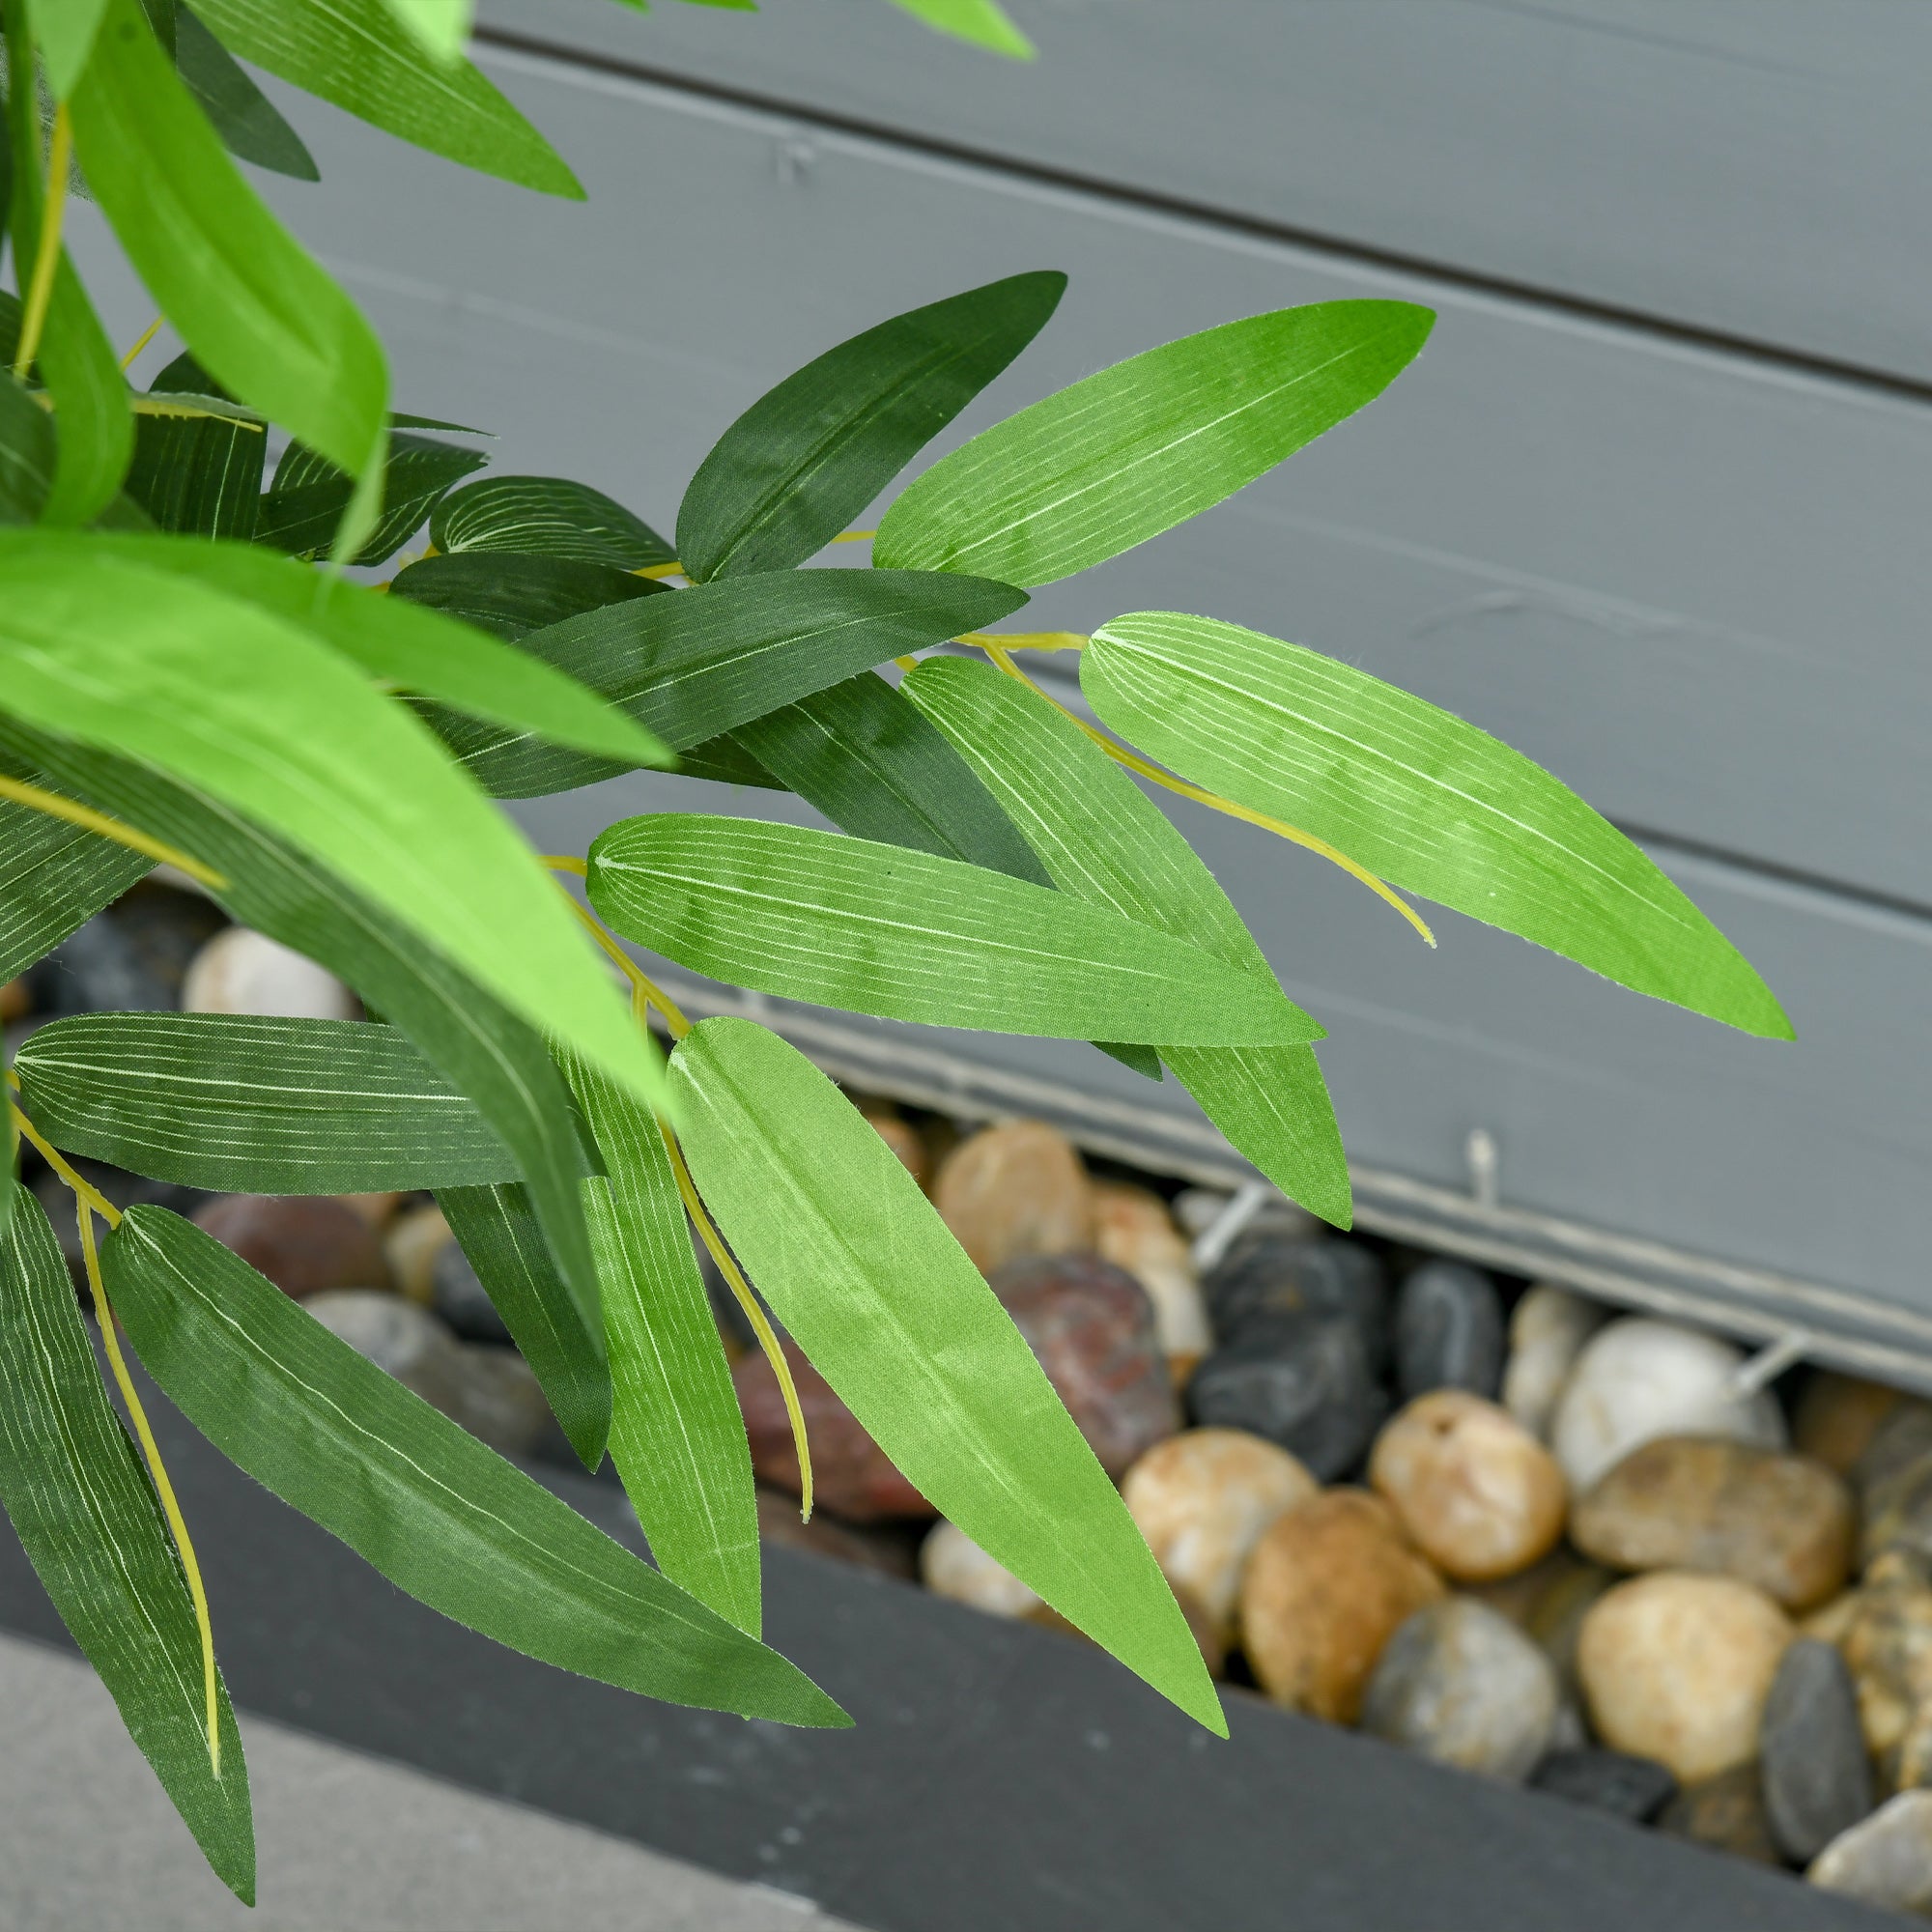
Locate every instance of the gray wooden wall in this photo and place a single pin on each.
(1652, 506)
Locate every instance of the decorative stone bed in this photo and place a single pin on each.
(1485, 1520)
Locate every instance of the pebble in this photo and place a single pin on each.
(1015, 1190)
(457, 1294)
(1550, 1601)
(1464, 1685)
(1887, 1640)
(490, 1391)
(1836, 1416)
(16, 1001)
(1895, 1483)
(1266, 1274)
(1633, 1788)
(1640, 1379)
(1303, 1382)
(1817, 1780)
(1886, 1860)
(890, 1551)
(1911, 1763)
(1448, 1332)
(1328, 1584)
(1202, 1499)
(905, 1138)
(1724, 1812)
(851, 1474)
(129, 958)
(1676, 1666)
(1479, 1494)
(241, 971)
(303, 1243)
(950, 1564)
(1902, 1437)
(1547, 1332)
(411, 1244)
(1134, 1230)
(1092, 1328)
(1700, 1502)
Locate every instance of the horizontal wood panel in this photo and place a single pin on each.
(1753, 168)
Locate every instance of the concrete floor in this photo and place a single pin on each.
(89, 1843)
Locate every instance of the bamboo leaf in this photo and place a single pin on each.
(1102, 838)
(512, 596)
(65, 30)
(546, 516)
(198, 475)
(351, 53)
(807, 456)
(1129, 452)
(88, 1520)
(27, 453)
(241, 113)
(441, 1516)
(233, 1103)
(439, 27)
(1418, 796)
(54, 877)
(676, 1434)
(303, 510)
(878, 929)
(983, 24)
(862, 1271)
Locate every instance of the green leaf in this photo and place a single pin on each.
(89, 1522)
(441, 1517)
(475, 1041)
(692, 665)
(884, 1301)
(878, 929)
(1412, 792)
(560, 1336)
(351, 53)
(240, 1104)
(512, 596)
(439, 27)
(27, 453)
(546, 516)
(1105, 465)
(982, 23)
(301, 512)
(242, 114)
(54, 877)
(869, 761)
(271, 328)
(1102, 838)
(676, 1434)
(198, 475)
(807, 456)
(723, 760)
(237, 702)
(65, 30)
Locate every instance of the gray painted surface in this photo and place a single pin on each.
(1754, 167)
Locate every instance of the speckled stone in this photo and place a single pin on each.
(1886, 1860)
(1724, 1812)
(1546, 1333)
(1448, 1332)
(1464, 1685)
(1895, 1479)
(1271, 1274)
(303, 1243)
(1634, 1789)
(950, 1564)
(1686, 1502)
(1817, 1780)
(1303, 1382)
(1479, 1494)
(1015, 1190)
(1134, 1230)
(241, 971)
(1887, 1640)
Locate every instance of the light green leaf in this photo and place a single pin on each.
(65, 30)
(512, 596)
(546, 516)
(677, 1435)
(439, 27)
(441, 1516)
(242, 114)
(692, 665)
(351, 53)
(1129, 452)
(240, 1104)
(878, 929)
(1418, 796)
(27, 453)
(884, 1301)
(807, 458)
(91, 1526)
(559, 1335)
(1102, 838)
(230, 699)
(983, 22)
(271, 327)
(303, 511)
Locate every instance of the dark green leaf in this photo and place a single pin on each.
(441, 1516)
(244, 116)
(886, 1304)
(91, 1526)
(560, 1337)
(512, 596)
(27, 453)
(199, 475)
(807, 458)
(546, 516)
(904, 935)
(247, 1105)
(726, 761)
(54, 877)
(1127, 453)
(301, 512)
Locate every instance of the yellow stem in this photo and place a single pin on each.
(173, 406)
(85, 817)
(148, 334)
(641, 983)
(907, 664)
(855, 536)
(655, 571)
(158, 1469)
(1027, 640)
(46, 257)
(75, 1185)
(1134, 762)
(563, 861)
(753, 1314)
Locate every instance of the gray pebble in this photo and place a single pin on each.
(458, 1296)
(1817, 1780)
(1448, 1332)
(1302, 1381)
(130, 958)
(1885, 1860)
(1267, 1274)
(1625, 1786)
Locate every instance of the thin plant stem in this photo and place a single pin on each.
(87, 820)
(77, 1184)
(641, 983)
(148, 334)
(47, 256)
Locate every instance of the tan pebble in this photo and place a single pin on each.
(15, 1002)
(1836, 1417)
(378, 1209)
(241, 971)
(1202, 1499)
(1912, 1766)
(1888, 1643)
(952, 1565)
(1829, 1622)
(905, 1138)
(1479, 1494)
(1015, 1190)
(1676, 1666)
(1885, 1860)
(1134, 1230)
(1328, 1584)
(411, 1242)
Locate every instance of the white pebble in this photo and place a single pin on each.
(1547, 1334)
(242, 970)
(952, 1565)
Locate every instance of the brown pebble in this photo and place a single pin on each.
(1836, 1417)
(378, 1209)
(1887, 1642)
(1725, 1812)
(15, 1001)
(303, 1243)
(1015, 1190)
(1134, 1230)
